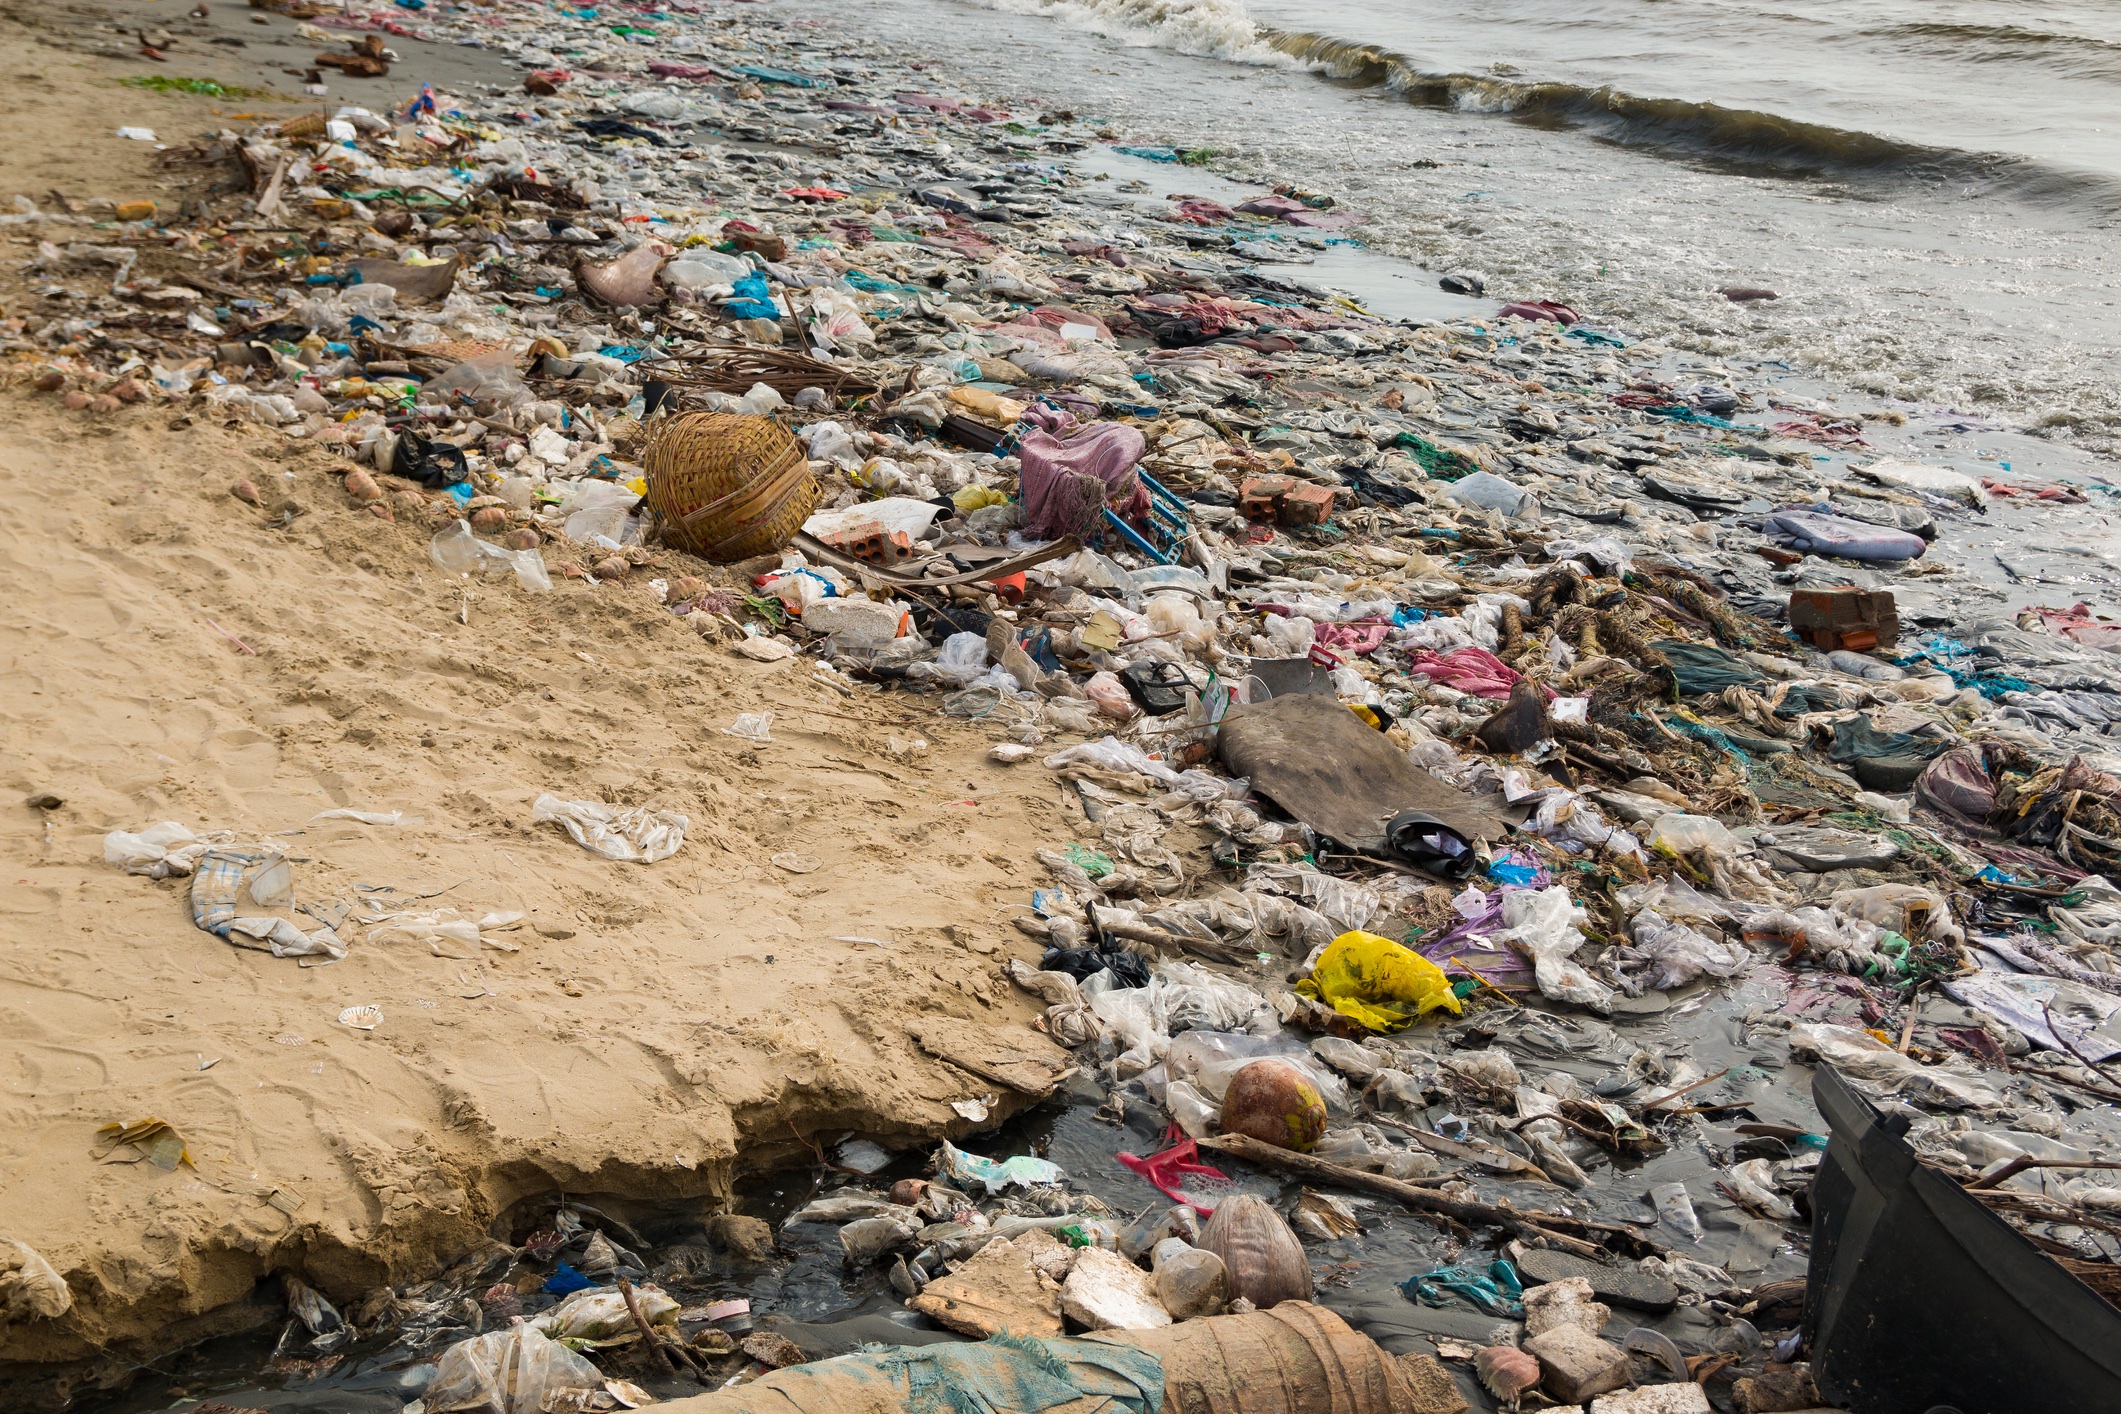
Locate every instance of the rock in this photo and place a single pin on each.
(998, 1289)
(1564, 1303)
(1776, 1390)
(1190, 1282)
(1430, 1386)
(1576, 1365)
(44, 800)
(1655, 1399)
(1746, 294)
(744, 1238)
(776, 1351)
(1462, 282)
(1050, 1257)
(1106, 1292)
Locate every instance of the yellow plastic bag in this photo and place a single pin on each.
(1377, 982)
(974, 498)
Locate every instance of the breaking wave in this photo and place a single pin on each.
(1737, 138)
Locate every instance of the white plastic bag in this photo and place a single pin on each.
(1545, 923)
(513, 1371)
(459, 551)
(636, 835)
(162, 851)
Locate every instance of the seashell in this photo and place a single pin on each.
(524, 539)
(686, 586)
(1265, 1262)
(104, 402)
(382, 511)
(408, 501)
(362, 487)
(907, 1191)
(246, 491)
(489, 518)
(1506, 1372)
(1659, 1347)
(629, 280)
(75, 399)
(362, 1018)
(1275, 1103)
(611, 567)
(128, 390)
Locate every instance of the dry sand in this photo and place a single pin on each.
(663, 1029)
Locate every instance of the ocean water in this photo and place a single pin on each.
(1934, 189)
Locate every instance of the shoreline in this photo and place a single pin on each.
(604, 691)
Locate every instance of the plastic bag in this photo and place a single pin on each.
(1680, 833)
(1862, 1056)
(1667, 955)
(996, 1175)
(28, 1285)
(1210, 1060)
(161, 851)
(599, 1314)
(898, 515)
(458, 551)
(1112, 754)
(514, 1371)
(635, 835)
(1545, 924)
(1197, 999)
(752, 726)
(1378, 983)
(598, 509)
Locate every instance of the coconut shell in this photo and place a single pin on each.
(1275, 1103)
(1265, 1262)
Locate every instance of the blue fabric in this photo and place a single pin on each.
(754, 299)
(567, 1281)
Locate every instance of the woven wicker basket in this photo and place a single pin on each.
(727, 486)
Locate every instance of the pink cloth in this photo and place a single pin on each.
(1359, 637)
(1070, 476)
(1473, 670)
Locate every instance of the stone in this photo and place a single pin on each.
(1564, 1303)
(997, 1289)
(1577, 1364)
(1655, 1399)
(747, 1239)
(1776, 1390)
(1106, 1292)
(1430, 1388)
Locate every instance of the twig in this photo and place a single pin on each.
(1667, 1099)
(2027, 1161)
(1914, 1009)
(2047, 1010)
(633, 1308)
(1578, 1235)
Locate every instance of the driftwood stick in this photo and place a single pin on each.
(633, 1309)
(1574, 1234)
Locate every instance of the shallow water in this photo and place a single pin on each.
(1957, 251)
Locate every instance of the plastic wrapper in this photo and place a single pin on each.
(1378, 983)
(997, 1175)
(1666, 954)
(1863, 1057)
(458, 551)
(29, 1287)
(1546, 924)
(635, 835)
(515, 1371)
(161, 851)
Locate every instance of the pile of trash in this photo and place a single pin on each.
(1501, 749)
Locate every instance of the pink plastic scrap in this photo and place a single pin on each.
(1177, 1173)
(1473, 670)
(1071, 476)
